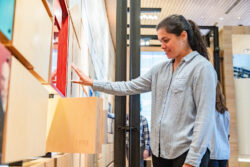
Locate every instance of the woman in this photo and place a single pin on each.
(183, 96)
(219, 147)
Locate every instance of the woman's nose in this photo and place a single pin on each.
(163, 46)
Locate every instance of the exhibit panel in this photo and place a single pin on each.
(76, 125)
(26, 117)
(32, 36)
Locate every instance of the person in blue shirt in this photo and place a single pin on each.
(183, 95)
(144, 139)
(219, 146)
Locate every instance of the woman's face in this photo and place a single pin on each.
(172, 45)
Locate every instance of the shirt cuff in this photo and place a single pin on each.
(97, 85)
(193, 159)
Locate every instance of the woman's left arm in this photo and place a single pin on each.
(204, 92)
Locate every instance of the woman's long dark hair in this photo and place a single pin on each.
(220, 99)
(176, 24)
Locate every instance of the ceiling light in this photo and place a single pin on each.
(221, 18)
(148, 17)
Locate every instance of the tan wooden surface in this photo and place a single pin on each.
(75, 127)
(32, 35)
(26, 116)
(64, 160)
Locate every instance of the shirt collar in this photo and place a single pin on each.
(188, 57)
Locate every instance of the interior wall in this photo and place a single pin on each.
(226, 46)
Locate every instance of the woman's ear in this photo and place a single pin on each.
(184, 35)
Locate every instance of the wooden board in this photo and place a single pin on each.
(26, 116)
(76, 126)
(32, 35)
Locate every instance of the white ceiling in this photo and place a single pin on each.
(203, 12)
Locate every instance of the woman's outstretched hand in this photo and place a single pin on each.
(84, 79)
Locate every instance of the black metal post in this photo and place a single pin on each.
(217, 52)
(120, 75)
(217, 58)
(134, 101)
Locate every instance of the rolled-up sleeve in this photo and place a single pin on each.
(122, 88)
(204, 92)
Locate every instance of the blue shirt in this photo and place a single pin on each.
(144, 133)
(219, 145)
(182, 105)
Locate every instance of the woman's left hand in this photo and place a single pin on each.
(187, 165)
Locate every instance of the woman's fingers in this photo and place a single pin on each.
(78, 82)
(85, 80)
(77, 70)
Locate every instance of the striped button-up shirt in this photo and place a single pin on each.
(183, 105)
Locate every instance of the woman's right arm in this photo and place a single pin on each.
(121, 88)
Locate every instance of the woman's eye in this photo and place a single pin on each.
(165, 41)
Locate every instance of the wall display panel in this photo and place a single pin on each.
(76, 14)
(5, 65)
(32, 36)
(62, 57)
(99, 39)
(6, 17)
(80, 119)
(242, 94)
(74, 54)
(58, 64)
(26, 116)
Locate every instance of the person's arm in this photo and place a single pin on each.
(122, 88)
(204, 92)
(146, 135)
(146, 138)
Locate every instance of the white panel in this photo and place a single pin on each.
(26, 116)
(32, 34)
(75, 12)
(241, 44)
(242, 93)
